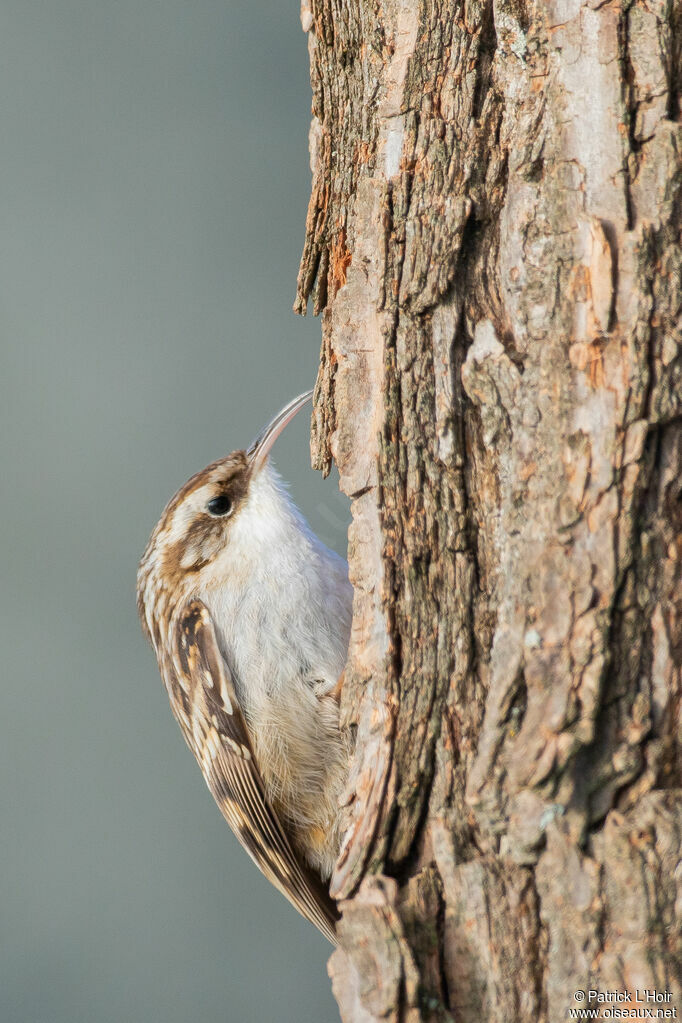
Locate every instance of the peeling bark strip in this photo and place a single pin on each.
(493, 238)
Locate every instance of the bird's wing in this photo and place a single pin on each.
(206, 705)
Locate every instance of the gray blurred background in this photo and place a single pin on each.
(154, 179)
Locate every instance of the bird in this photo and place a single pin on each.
(249, 615)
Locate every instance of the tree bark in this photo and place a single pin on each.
(493, 240)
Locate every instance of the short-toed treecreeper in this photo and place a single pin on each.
(249, 615)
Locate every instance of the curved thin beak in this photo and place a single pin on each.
(259, 450)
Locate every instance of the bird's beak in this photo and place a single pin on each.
(259, 450)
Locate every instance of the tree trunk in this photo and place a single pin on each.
(494, 241)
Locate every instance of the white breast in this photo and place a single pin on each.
(279, 598)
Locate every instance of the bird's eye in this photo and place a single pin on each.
(219, 506)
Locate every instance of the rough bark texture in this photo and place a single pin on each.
(493, 239)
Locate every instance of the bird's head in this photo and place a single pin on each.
(199, 521)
